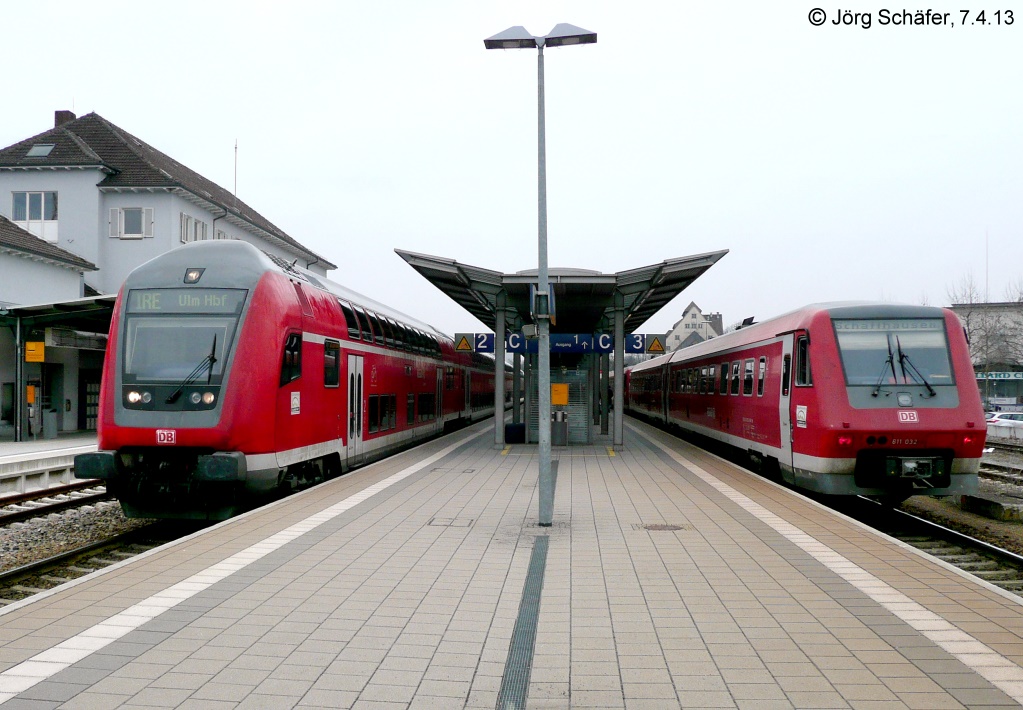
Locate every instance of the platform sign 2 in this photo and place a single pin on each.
(474, 342)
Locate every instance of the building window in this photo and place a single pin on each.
(36, 212)
(131, 222)
(39, 150)
(221, 234)
(193, 230)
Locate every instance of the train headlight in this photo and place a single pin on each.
(196, 398)
(134, 397)
(146, 398)
(845, 441)
(208, 398)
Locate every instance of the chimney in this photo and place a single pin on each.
(62, 117)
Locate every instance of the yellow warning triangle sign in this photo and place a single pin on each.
(654, 345)
(464, 345)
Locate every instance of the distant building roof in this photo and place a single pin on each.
(14, 238)
(130, 163)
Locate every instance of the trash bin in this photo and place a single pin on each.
(559, 429)
(50, 424)
(515, 433)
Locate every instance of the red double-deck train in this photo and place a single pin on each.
(863, 398)
(230, 373)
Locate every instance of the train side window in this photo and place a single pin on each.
(353, 324)
(803, 376)
(410, 403)
(391, 331)
(786, 373)
(378, 331)
(374, 413)
(760, 377)
(367, 334)
(735, 377)
(291, 363)
(392, 411)
(331, 363)
(747, 377)
(724, 379)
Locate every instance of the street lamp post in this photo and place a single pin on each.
(519, 38)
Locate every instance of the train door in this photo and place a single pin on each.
(355, 409)
(785, 411)
(439, 399)
(666, 392)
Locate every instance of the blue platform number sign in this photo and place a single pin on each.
(560, 342)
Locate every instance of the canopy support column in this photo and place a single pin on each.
(619, 429)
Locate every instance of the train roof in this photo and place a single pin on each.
(788, 322)
(248, 263)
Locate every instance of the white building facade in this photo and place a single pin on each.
(82, 205)
(693, 327)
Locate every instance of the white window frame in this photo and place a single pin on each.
(45, 229)
(116, 223)
(198, 230)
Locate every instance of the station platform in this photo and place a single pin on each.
(670, 578)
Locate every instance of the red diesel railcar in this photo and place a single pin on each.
(231, 373)
(862, 398)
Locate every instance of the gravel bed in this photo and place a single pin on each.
(36, 539)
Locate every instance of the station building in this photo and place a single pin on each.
(995, 332)
(81, 205)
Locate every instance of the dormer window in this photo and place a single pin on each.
(39, 150)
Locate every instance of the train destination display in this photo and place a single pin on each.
(186, 300)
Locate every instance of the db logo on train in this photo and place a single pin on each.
(166, 436)
(904, 418)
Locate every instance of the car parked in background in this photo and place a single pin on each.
(1010, 419)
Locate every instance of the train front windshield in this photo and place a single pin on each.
(898, 351)
(169, 333)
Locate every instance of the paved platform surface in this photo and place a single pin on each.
(669, 579)
(22, 450)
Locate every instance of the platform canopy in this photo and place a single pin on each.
(583, 299)
(91, 314)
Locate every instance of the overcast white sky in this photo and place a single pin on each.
(834, 162)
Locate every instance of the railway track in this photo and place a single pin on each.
(36, 504)
(30, 579)
(991, 563)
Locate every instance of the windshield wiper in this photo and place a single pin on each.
(917, 375)
(207, 361)
(889, 363)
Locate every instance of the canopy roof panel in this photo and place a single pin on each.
(583, 300)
